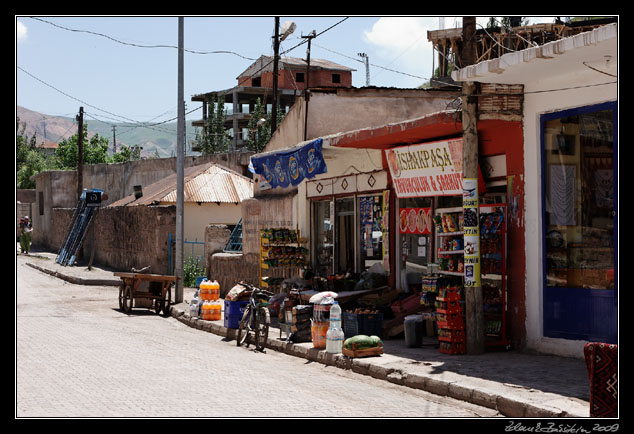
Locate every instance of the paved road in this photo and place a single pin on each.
(77, 355)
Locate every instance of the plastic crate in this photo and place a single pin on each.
(362, 324)
(233, 313)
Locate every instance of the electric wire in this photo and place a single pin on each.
(140, 45)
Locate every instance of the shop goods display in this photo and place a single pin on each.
(449, 230)
(451, 331)
(282, 255)
(300, 323)
(209, 290)
(362, 346)
(493, 270)
(211, 310)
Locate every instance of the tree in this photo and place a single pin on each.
(95, 151)
(29, 159)
(259, 134)
(125, 154)
(215, 138)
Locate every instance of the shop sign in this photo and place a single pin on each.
(415, 221)
(471, 227)
(284, 168)
(426, 169)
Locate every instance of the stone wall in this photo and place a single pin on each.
(231, 268)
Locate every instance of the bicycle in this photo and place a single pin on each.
(256, 318)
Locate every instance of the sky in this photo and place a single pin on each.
(124, 69)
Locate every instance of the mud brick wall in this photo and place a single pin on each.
(123, 237)
(231, 268)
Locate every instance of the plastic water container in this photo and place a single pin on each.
(194, 307)
(334, 340)
(413, 327)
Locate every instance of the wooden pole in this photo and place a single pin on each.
(276, 45)
(80, 150)
(470, 198)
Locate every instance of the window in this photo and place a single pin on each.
(579, 199)
(299, 77)
(256, 82)
(336, 78)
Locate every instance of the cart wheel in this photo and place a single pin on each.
(167, 303)
(158, 305)
(121, 288)
(127, 299)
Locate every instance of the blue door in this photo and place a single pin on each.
(579, 216)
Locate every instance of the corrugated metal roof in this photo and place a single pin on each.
(204, 183)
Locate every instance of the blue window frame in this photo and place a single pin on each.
(579, 221)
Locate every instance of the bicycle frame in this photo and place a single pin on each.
(255, 319)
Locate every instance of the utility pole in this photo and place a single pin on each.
(306, 91)
(114, 139)
(366, 60)
(80, 149)
(276, 49)
(180, 171)
(470, 197)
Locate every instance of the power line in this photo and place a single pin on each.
(137, 123)
(140, 45)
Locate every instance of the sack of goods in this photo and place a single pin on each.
(363, 346)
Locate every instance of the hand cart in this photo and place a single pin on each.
(158, 289)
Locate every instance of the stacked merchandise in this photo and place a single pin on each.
(451, 332)
(300, 323)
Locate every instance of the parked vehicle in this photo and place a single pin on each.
(256, 318)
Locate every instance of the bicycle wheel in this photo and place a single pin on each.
(262, 328)
(244, 326)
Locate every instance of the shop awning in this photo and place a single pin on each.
(290, 166)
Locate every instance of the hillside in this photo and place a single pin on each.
(160, 140)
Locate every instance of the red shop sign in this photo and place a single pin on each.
(415, 221)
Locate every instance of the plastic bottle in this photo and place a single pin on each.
(334, 335)
(215, 310)
(335, 315)
(204, 290)
(214, 290)
(334, 340)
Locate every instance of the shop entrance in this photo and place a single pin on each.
(344, 235)
(580, 223)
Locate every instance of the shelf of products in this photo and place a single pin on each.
(449, 229)
(282, 254)
(493, 271)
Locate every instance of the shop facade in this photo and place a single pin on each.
(352, 214)
(570, 119)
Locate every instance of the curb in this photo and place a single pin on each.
(506, 405)
(75, 280)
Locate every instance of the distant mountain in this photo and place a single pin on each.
(158, 141)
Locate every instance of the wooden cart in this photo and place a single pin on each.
(159, 290)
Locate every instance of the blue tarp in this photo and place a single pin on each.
(284, 168)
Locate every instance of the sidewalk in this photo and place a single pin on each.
(513, 383)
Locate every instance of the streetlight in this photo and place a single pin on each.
(367, 67)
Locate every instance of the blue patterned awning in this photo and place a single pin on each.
(290, 167)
